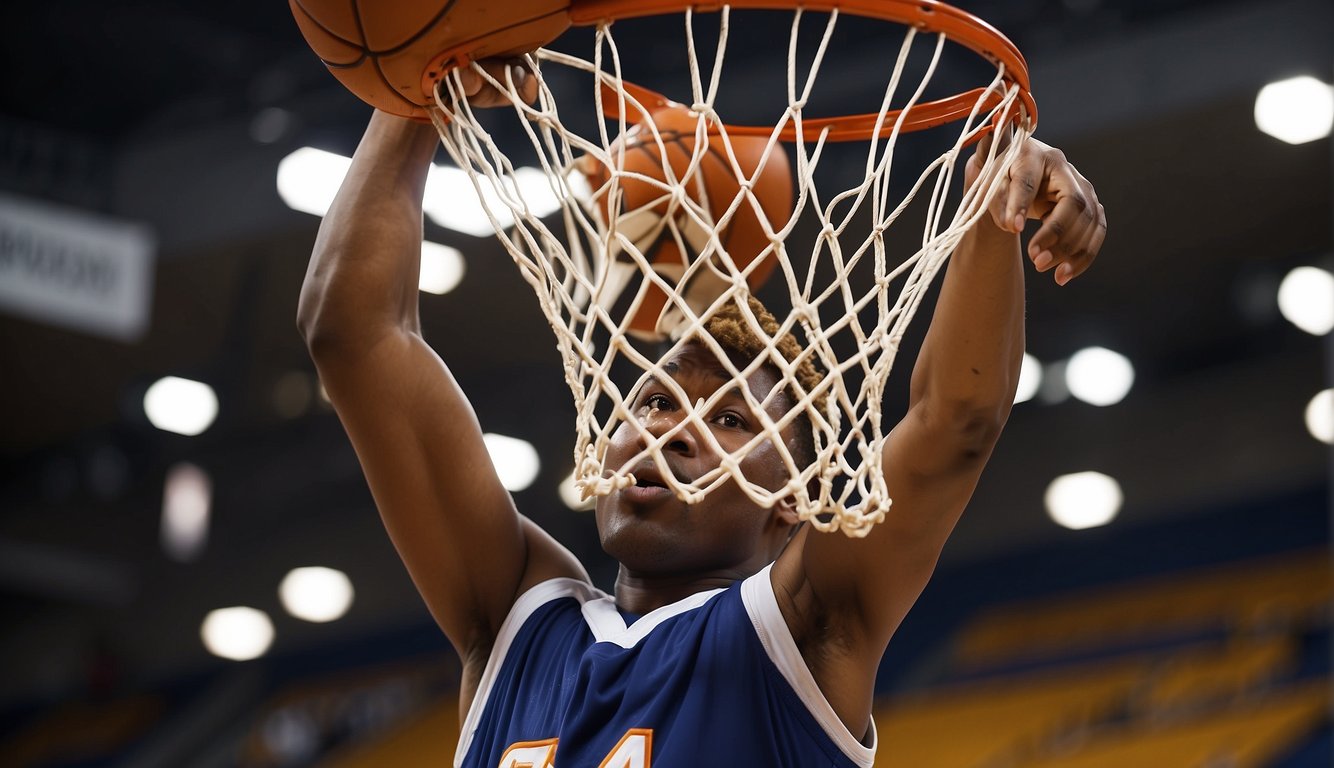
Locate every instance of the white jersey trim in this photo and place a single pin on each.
(523, 608)
(757, 593)
(608, 624)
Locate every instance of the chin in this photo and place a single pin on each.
(639, 541)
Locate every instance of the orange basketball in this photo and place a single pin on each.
(391, 53)
(713, 185)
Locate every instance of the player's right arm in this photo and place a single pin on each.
(455, 526)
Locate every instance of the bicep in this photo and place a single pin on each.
(931, 475)
(421, 449)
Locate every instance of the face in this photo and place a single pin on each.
(646, 527)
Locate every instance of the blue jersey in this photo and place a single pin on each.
(712, 680)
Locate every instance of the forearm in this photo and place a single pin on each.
(969, 364)
(363, 270)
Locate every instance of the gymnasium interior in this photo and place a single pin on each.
(147, 247)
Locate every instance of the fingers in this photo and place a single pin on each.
(1021, 191)
(1074, 229)
(480, 91)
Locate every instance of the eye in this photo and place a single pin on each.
(658, 402)
(730, 420)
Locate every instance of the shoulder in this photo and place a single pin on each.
(547, 559)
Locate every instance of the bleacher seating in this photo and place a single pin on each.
(81, 731)
(425, 741)
(974, 723)
(1247, 736)
(1197, 670)
(354, 713)
(1195, 679)
(1215, 600)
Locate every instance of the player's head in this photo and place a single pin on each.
(646, 527)
(730, 328)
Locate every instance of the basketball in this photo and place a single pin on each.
(641, 207)
(392, 53)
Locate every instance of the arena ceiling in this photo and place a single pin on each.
(165, 114)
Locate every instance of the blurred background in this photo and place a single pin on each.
(192, 571)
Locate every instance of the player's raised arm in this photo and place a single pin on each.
(420, 446)
(962, 389)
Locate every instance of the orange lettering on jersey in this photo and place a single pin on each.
(530, 754)
(634, 750)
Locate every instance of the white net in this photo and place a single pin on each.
(620, 253)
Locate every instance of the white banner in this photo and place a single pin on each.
(75, 269)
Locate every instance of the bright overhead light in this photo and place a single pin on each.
(1030, 378)
(1296, 110)
(1320, 416)
(441, 268)
(315, 593)
(1306, 299)
(179, 405)
(309, 178)
(570, 496)
(452, 201)
(186, 499)
(1083, 500)
(238, 633)
(1099, 376)
(515, 460)
(1052, 388)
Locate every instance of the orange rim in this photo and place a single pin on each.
(926, 15)
(929, 16)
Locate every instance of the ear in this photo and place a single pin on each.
(785, 511)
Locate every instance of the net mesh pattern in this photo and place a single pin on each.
(849, 299)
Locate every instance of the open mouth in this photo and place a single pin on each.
(646, 483)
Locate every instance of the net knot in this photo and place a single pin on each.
(589, 480)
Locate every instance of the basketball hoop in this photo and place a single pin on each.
(849, 300)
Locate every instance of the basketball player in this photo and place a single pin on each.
(735, 637)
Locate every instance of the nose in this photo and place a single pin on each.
(679, 432)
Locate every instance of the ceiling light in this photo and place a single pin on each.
(1052, 388)
(452, 200)
(515, 460)
(1083, 500)
(309, 178)
(238, 633)
(1306, 299)
(572, 498)
(1296, 110)
(316, 594)
(1099, 376)
(1320, 416)
(186, 500)
(180, 405)
(1030, 378)
(441, 268)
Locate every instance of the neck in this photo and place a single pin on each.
(639, 593)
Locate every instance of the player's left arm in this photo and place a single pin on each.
(962, 389)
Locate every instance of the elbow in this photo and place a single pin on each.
(324, 338)
(972, 428)
(310, 323)
(321, 325)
